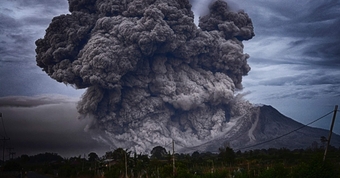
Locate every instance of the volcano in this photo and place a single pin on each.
(265, 127)
(153, 76)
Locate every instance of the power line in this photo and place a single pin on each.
(286, 133)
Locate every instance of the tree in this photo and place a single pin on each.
(24, 158)
(158, 152)
(92, 156)
(227, 155)
(195, 155)
(117, 154)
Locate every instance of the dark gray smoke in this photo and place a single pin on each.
(151, 74)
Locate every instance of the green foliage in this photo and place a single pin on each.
(45, 158)
(66, 170)
(251, 164)
(117, 154)
(116, 170)
(227, 155)
(315, 168)
(12, 166)
(278, 171)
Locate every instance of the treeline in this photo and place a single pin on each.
(160, 164)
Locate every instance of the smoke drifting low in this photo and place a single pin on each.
(151, 74)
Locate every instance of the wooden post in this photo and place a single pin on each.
(330, 131)
(173, 158)
(248, 169)
(125, 166)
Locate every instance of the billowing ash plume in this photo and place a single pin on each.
(151, 74)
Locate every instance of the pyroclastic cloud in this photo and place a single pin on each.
(151, 74)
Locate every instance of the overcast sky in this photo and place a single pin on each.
(295, 61)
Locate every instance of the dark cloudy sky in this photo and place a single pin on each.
(295, 61)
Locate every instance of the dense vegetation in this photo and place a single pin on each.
(255, 163)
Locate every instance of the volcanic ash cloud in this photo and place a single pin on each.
(151, 74)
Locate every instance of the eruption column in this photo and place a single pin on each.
(151, 74)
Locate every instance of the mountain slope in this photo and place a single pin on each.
(262, 124)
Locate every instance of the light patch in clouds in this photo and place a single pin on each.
(201, 7)
(25, 101)
(22, 8)
(270, 74)
(275, 50)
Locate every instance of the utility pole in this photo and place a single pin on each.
(4, 140)
(3, 149)
(173, 158)
(125, 165)
(330, 132)
(9, 152)
(82, 166)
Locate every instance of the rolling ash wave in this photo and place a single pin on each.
(151, 74)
